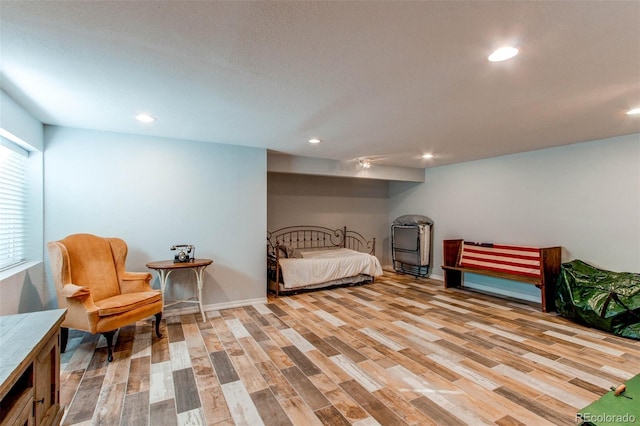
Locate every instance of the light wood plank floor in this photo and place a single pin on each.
(395, 352)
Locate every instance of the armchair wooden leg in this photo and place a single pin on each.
(109, 336)
(64, 338)
(158, 318)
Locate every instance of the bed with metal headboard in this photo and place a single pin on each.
(312, 257)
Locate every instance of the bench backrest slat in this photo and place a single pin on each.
(501, 258)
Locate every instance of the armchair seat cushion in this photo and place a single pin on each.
(126, 302)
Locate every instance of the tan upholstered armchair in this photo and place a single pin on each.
(91, 283)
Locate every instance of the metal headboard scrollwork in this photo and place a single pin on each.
(305, 237)
(355, 241)
(300, 237)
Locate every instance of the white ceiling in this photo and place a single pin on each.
(384, 80)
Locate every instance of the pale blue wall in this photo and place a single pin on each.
(156, 192)
(17, 120)
(584, 197)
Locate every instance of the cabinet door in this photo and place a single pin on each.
(47, 382)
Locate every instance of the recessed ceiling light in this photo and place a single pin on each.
(364, 163)
(427, 156)
(145, 118)
(635, 111)
(503, 53)
(314, 140)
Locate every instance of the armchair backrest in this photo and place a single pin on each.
(90, 261)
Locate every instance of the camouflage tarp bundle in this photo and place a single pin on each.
(606, 300)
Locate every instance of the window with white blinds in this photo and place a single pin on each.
(13, 204)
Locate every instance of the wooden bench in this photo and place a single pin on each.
(532, 265)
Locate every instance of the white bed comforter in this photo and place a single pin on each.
(319, 266)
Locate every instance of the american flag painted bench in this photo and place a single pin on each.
(532, 265)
